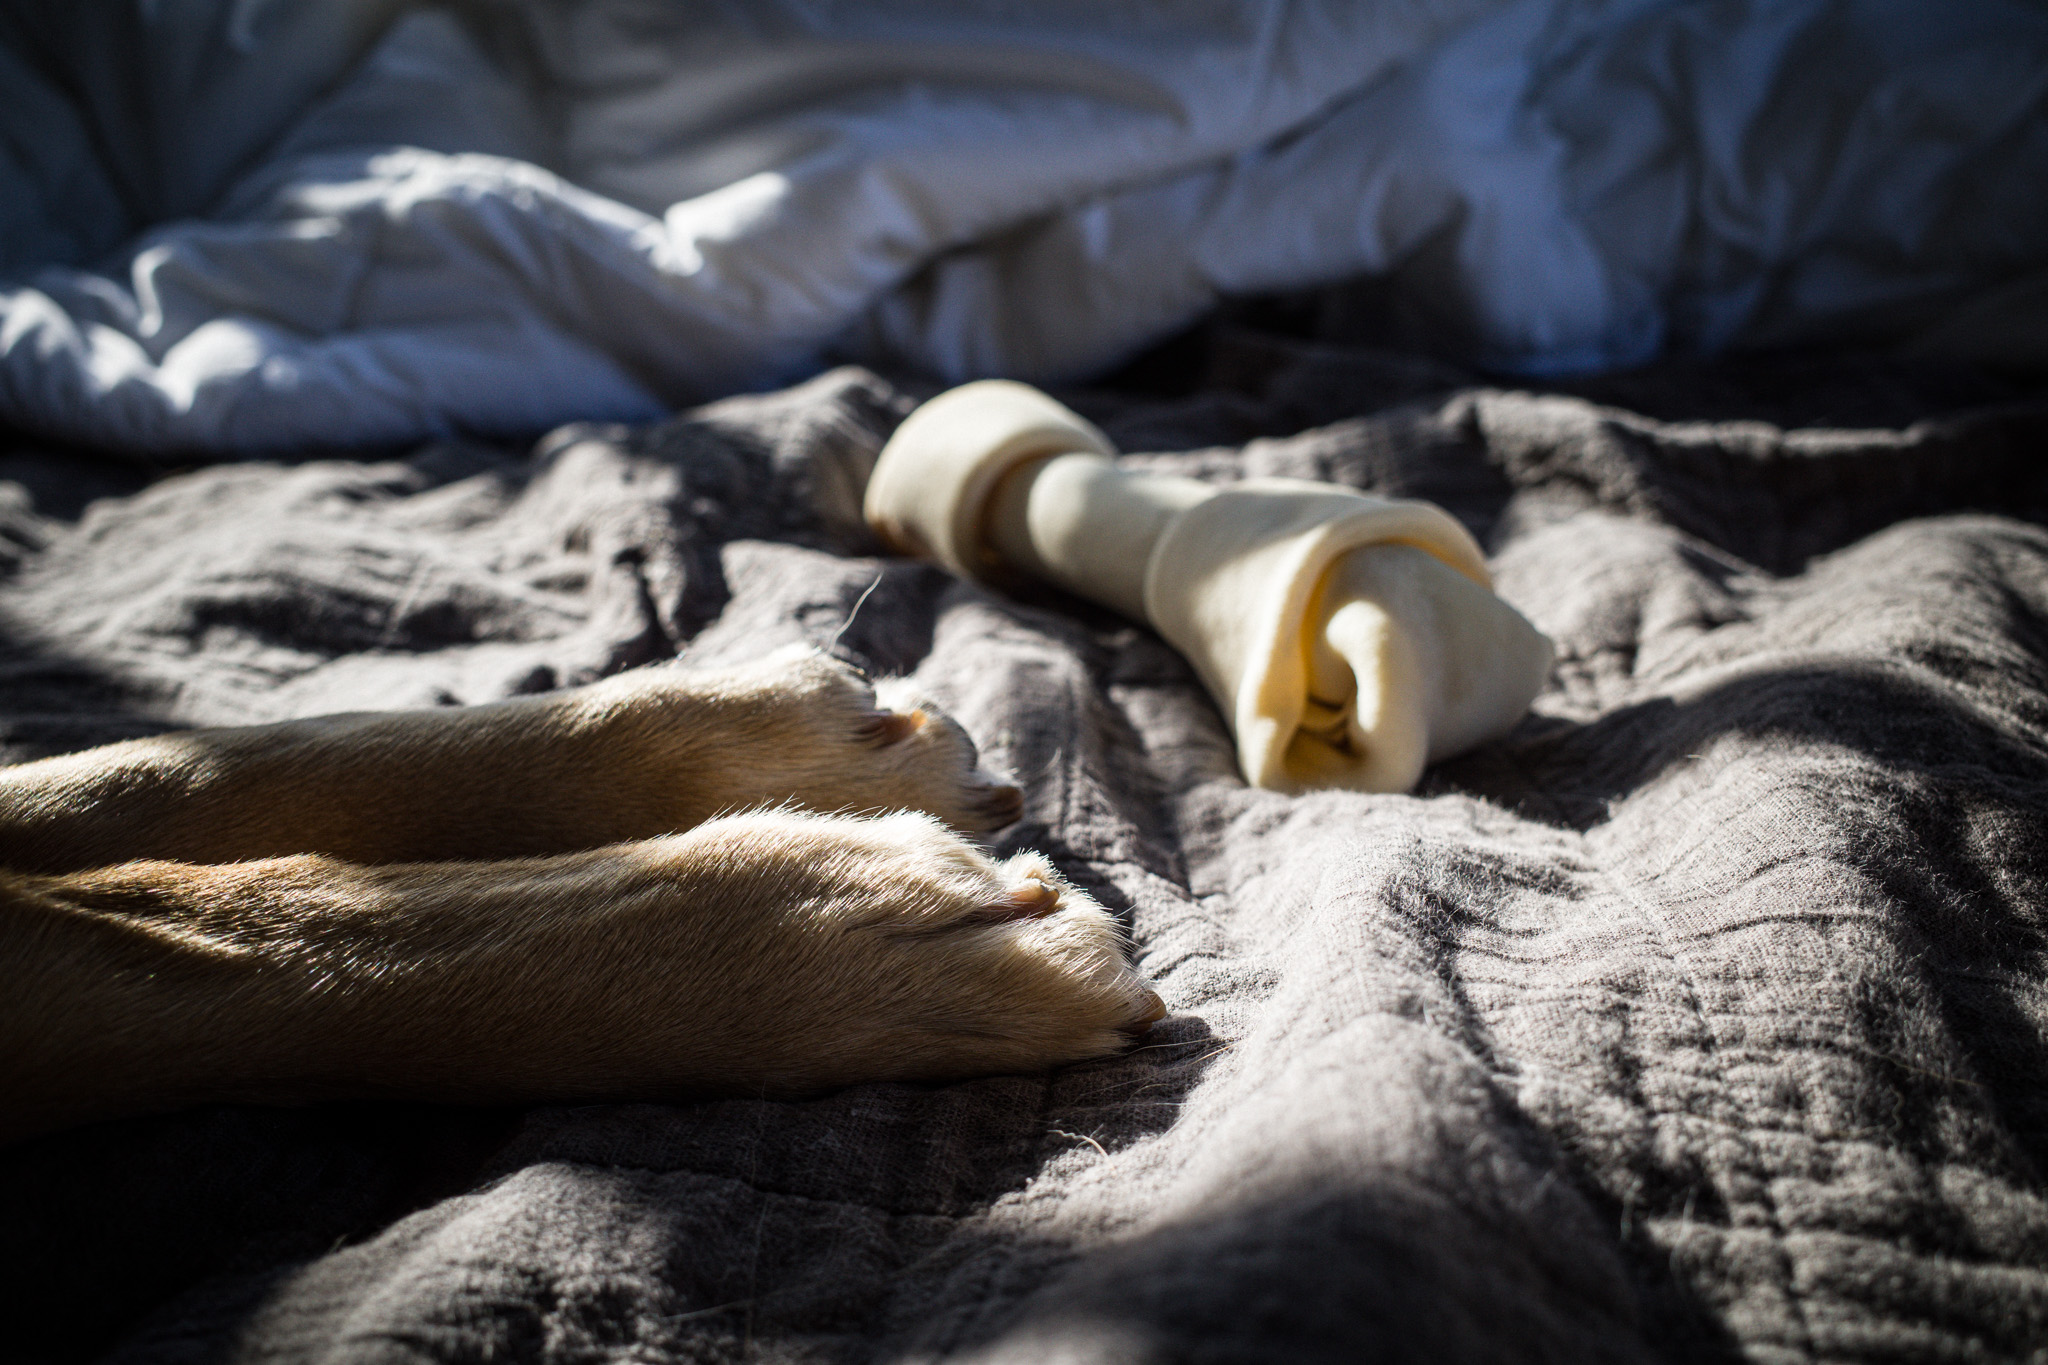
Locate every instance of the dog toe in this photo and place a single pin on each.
(992, 807)
(1029, 899)
(886, 728)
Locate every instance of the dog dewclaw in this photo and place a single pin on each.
(1349, 639)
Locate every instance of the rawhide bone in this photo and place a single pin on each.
(1348, 639)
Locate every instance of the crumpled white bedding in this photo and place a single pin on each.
(237, 225)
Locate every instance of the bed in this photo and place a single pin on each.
(1703, 1018)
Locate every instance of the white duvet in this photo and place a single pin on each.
(229, 225)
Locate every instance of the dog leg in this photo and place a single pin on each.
(772, 953)
(638, 755)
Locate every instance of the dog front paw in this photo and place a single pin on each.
(890, 949)
(802, 728)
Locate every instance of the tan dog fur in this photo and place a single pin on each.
(543, 899)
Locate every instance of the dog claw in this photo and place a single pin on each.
(1154, 1011)
(1032, 899)
(884, 728)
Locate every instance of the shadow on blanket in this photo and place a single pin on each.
(1572, 774)
(265, 1205)
(222, 1207)
(1321, 1267)
(1951, 770)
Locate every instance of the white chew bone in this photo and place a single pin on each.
(1349, 639)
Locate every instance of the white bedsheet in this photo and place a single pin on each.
(238, 225)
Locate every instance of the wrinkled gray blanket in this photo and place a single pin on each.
(1705, 1017)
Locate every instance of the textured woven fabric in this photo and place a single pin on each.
(1702, 1018)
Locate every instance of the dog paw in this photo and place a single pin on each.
(890, 949)
(916, 749)
(800, 727)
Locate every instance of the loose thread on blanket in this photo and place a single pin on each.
(712, 1311)
(858, 603)
(1080, 1137)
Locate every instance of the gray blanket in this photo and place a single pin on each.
(1705, 1017)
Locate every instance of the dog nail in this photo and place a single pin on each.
(890, 727)
(1154, 1011)
(1032, 899)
